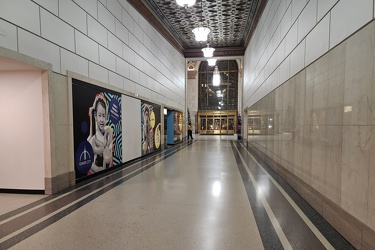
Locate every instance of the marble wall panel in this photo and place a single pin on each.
(371, 90)
(332, 174)
(299, 107)
(318, 157)
(335, 110)
(271, 108)
(279, 122)
(359, 66)
(371, 155)
(355, 171)
(308, 125)
(288, 125)
(309, 93)
(319, 121)
(371, 176)
(330, 149)
(336, 86)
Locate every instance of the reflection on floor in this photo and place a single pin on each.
(215, 137)
(209, 193)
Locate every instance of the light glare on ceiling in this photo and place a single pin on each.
(185, 3)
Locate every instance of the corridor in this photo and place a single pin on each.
(210, 193)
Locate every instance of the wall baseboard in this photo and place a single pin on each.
(21, 191)
(59, 183)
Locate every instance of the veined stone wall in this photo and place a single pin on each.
(323, 136)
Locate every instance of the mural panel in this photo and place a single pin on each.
(150, 127)
(97, 128)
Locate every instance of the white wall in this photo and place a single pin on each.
(108, 41)
(292, 34)
(21, 130)
(131, 128)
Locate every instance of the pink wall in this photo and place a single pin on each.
(21, 130)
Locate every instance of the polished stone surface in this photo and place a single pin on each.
(323, 129)
(10, 202)
(210, 193)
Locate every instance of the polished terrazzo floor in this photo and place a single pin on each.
(210, 193)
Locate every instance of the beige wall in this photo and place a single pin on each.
(110, 42)
(192, 97)
(59, 147)
(325, 126)
(61, 125)
(292, 34)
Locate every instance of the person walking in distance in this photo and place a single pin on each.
(190, 132)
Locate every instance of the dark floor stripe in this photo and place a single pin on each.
(266, 230)
(295, 229)
(336, 239)
(36, 214)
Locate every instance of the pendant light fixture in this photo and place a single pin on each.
(216, 77)
(208, 52)
(211, 61)
(201, 32)
(185, 3)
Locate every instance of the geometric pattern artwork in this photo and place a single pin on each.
(117, 129)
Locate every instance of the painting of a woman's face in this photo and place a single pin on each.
(100, 117)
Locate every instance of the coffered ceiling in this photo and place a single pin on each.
(232, 23)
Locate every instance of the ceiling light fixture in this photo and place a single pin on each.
(208, 52)
(216, 77)
(211, 61)
(185, 3)
(201, 33)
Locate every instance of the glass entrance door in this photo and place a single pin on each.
(217, 122)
